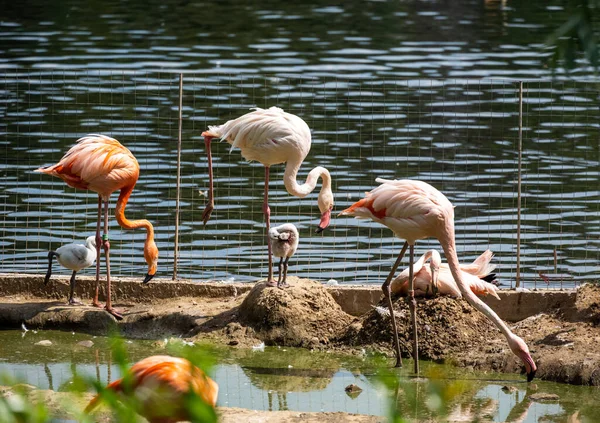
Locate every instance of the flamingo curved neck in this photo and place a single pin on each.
(292, 186)
(132, 224)
(450, 250)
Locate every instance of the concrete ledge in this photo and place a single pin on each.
(354, 299)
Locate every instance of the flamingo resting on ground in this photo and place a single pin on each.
(272, 136)
(101, 164)
(75, 257)
(284, 242)
(161, 384)
(437, 278)
(415, 210)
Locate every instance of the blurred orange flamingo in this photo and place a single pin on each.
(161, 385)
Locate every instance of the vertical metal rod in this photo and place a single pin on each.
(176, 247)
(518, 277)
(555, 261)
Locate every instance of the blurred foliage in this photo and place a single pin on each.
(576, 36)
(17, 405)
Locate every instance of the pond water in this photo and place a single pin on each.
(279, 378)
(401, 89)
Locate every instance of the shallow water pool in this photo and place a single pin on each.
(280, 378)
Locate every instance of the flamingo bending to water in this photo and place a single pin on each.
(161, 384)
(272, 136)
(101, 164)
(75, 257)
(284, 243)
(415, 210)
(438, 278)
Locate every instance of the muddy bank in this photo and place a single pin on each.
(355, 300)
(564, 339)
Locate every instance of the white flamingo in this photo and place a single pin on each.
(437, 278)
(75, 257)
(415, 210)
(284, 243)
(272, 136)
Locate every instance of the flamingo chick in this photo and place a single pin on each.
(438, 278)
(101, 164)
(284, 242)
(75, 257)
(415, 210)
(272, 136)
(161, 385)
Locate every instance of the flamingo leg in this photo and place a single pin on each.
(106, 245)
(211, 203)
(412, 303)
(285, 269)
(95, 302)
(280, 266)
(267, 212)
(72, 290)
(51, 255)
(387, 293)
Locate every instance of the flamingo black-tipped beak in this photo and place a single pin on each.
(325, 218)
(148, 277)
(531, 375)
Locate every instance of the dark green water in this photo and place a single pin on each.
(400, 89)
(296, 379)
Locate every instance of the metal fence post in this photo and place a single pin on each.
(518, 276)
(178, 182)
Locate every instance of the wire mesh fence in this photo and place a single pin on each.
(459, 135)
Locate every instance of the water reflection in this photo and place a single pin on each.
(300, 380)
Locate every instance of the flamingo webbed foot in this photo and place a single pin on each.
(271, 283)
(114, 312)
(74, 302)
(283, 285)
(96, 304)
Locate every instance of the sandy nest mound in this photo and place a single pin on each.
(303, 315)
(445, 326)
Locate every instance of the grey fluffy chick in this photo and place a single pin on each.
(284, 242)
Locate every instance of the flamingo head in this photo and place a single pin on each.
(90, 242)
(325, 202)
(434, 265)
(520, 349)
(151, 257)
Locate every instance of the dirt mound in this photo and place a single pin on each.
(446, 326)
(587, 304)
(303, 315)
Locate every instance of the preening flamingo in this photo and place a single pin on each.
(415, 210)
(438, 278)
(101, 164)
(284, 242)
(161, 385)
(272, 136)
(75, 257)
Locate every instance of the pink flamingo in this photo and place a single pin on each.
(272, 136)
(437, 278)
(415, 210)
(101, 164)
